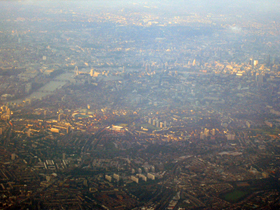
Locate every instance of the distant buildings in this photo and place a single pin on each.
(230, 137)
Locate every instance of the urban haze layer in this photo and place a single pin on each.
(134, 105)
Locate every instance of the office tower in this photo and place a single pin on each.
(135, 179)
(157, 123)
(146, 169)
(29, 132)
(76, 70)
(59, 118)
(8, 111)
(85, 183)
(251, 62)
(193, 63)
(259, 78)
(68, 129)
(206, 132)
(230, 136)
(108, 178)
(144, 178)
(151, 176)
(13, 156)
(117, 177)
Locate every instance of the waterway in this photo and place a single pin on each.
(49, 88)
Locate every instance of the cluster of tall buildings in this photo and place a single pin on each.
(157, 123)
(204, 134)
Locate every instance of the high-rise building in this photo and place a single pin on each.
(1, 131)
(85, 183)
(230, 137)
(157, 123)
(135, 179)
(251, 62)
(256, 62)
(151, 176)
(91, 72)
(63, 156)
(76, 70)
(13, 156)
(146, 169)
(144, 178)
(213, 131)
(193, 63)
(269, 124)
(68, 129)
(146, 68)
(8, 111)
(59, 117)
(109, 178)
(259, 78)
(206, 132)
(29, 132)
(117, 177)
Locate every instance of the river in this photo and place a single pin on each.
(49, 88)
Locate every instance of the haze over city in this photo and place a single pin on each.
(139, 104)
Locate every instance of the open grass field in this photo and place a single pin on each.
(234, 196)
(149, 126)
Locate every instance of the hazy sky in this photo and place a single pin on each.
(269, 8)
(262, 5)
